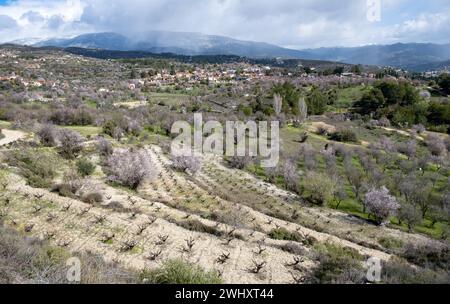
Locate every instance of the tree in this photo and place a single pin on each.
(357, 69)
(411, 148)
(316, 102)
(302, 110)
(48, 135)
(277, 103)
(71, 143)
(409, 214)
(319, 188)
(417, 192)
(370, 102)
(436, 145)
(291, 177)
(381, 204)
(104, 147)
(355, 178)
(340, 194)
(444, 83)
(130, 168)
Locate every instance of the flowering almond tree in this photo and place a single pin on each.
(381, 204)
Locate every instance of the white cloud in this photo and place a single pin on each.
(6, 22)
(293, 23)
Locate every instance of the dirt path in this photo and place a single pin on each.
(11, 136)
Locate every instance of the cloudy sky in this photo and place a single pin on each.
(291, 23)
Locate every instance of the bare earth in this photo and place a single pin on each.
(11, 136)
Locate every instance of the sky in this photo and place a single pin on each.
(296, 24)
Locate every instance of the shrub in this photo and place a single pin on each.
(70, 185)
(431, 255)
(36, 166)
(130, 168)
(398, 271)
(390, 243)
(196, 225)
(380, 204)
(285, 235)
(344, 135)
(179, 272)
(92, 198)
(104, 147)
(337, 265)
(1, 134)
(64, 190)
(239, 162)
(319, 188)
(85, 167)
(290, 176)
(436, 145)
(48, 135)
(192, 164)
(32, 261)
(71, 143)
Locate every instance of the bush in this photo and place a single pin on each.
(196, 225)
(1, 134)
(430, 255)
(36, 166)
(48, 135)
(71, 143)
(92, 198)
(63, 190)
(192, 164)
(239, 162)
(104, 147)
(344, 136)
(436, 145)
(398, 271)
(32, 261)
(179, 272)
(319, 188)
(85, 167)
(285, 235)
(338, 265)
(130, 168)
(390, 243)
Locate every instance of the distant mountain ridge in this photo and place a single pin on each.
(175, 42)
(403, 55)
(413, 56)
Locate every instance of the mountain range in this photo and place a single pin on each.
(411, 56)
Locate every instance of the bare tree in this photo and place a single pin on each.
(291, 177)
(302, 110)
(48, 135)
(104, 147)
(436, 145)
(130, 168)
(71, 143)
(277, 103)
(409, 214)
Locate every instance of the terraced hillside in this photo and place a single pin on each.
(221, 219)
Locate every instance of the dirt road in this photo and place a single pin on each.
(11, 136)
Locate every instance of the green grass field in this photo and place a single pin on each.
(85, 130)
